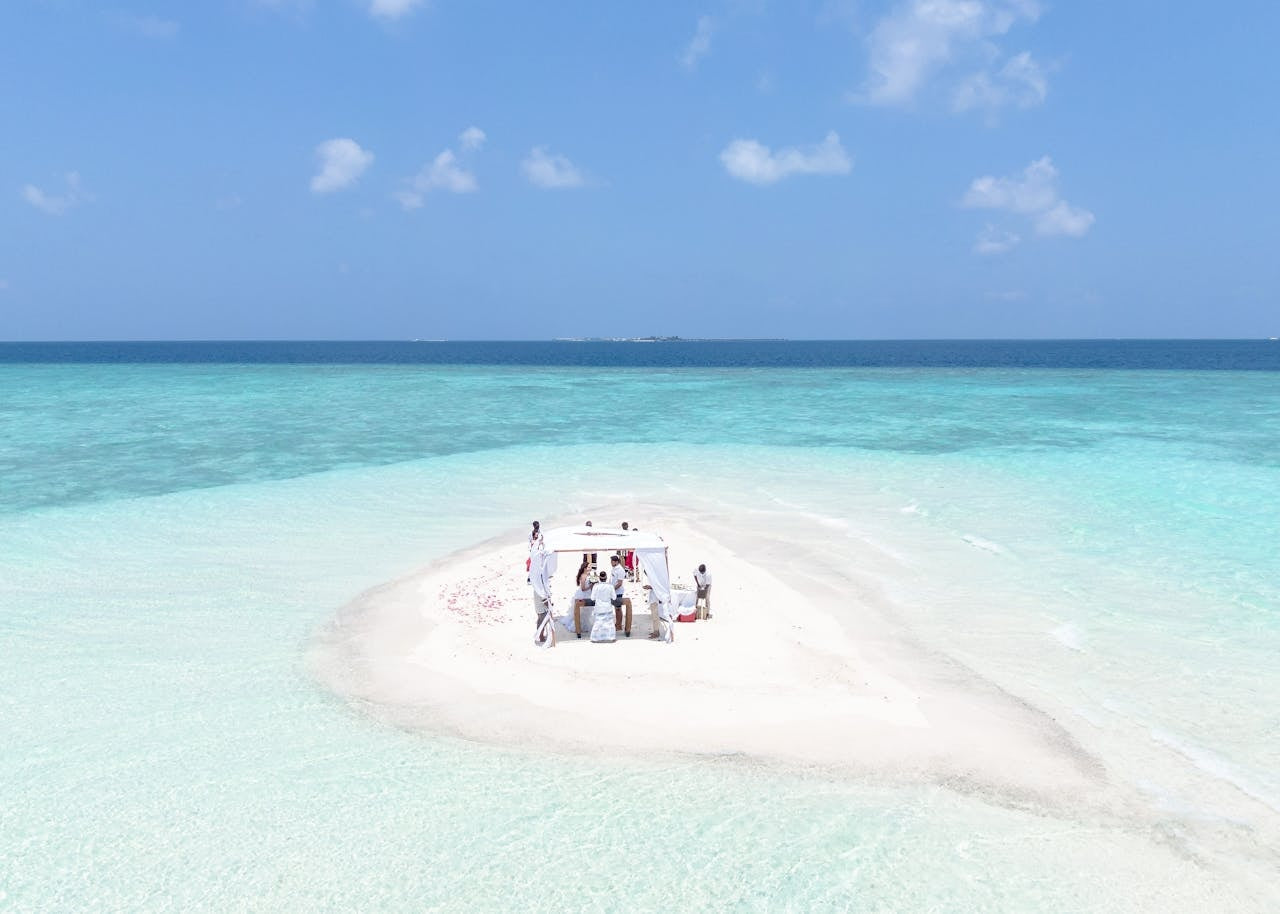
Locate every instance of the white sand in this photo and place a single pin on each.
(801, 666)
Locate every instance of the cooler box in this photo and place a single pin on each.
(683, 604)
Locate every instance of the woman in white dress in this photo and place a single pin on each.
(582, 597)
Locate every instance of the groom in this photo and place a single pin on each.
(618, 574)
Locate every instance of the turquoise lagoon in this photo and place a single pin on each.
(1101, 543)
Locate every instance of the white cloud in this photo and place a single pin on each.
(1064, 219)
(471, 138)
(229, 202)
(4, 285)
(342, 161)
(57, 204)
(148, 26)
(993, 240)
(392, 9)
(543, 169)
(444, 172)
(1032, 193)
(919, 38)
(1020, 82)
(700, 45)
(755, 163)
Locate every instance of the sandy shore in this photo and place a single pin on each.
(799, 668)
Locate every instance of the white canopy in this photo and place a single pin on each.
(602, 539)
(649, 548)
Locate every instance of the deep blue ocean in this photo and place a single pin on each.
(1190, 355)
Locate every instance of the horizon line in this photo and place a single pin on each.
(647, 339)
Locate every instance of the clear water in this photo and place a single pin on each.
(1100, 542)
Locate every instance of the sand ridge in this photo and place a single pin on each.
(796, 669)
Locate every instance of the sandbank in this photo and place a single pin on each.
(802, 667)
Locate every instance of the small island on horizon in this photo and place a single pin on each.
(667, 339)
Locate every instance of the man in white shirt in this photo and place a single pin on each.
(618, 574)
(702, 580)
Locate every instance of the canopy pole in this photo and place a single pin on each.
(668, 625)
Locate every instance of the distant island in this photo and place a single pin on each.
(666, 339)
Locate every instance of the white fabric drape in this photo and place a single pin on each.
(654, 563)
(683, 601)
(542, 565)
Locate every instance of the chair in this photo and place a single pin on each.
(603, 630)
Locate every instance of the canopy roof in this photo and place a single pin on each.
(601, 539)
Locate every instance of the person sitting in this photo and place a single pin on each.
(603, 631)
(617, 574)
(582, 596)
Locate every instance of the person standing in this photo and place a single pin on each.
(534, 536)
(617, 575)
(629, 557)
(702, 581)
(655, 621)
(589, 556)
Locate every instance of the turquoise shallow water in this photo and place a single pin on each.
(1100, 543)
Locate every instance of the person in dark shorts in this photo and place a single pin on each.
(702, 580)
(618, 574)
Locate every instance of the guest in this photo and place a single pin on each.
(589, 556)
(603, 629)
(655, 624)
(702, 581)
(629, 558)
(533, 541)
(620, 600)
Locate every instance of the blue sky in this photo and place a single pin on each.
(387, 169)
